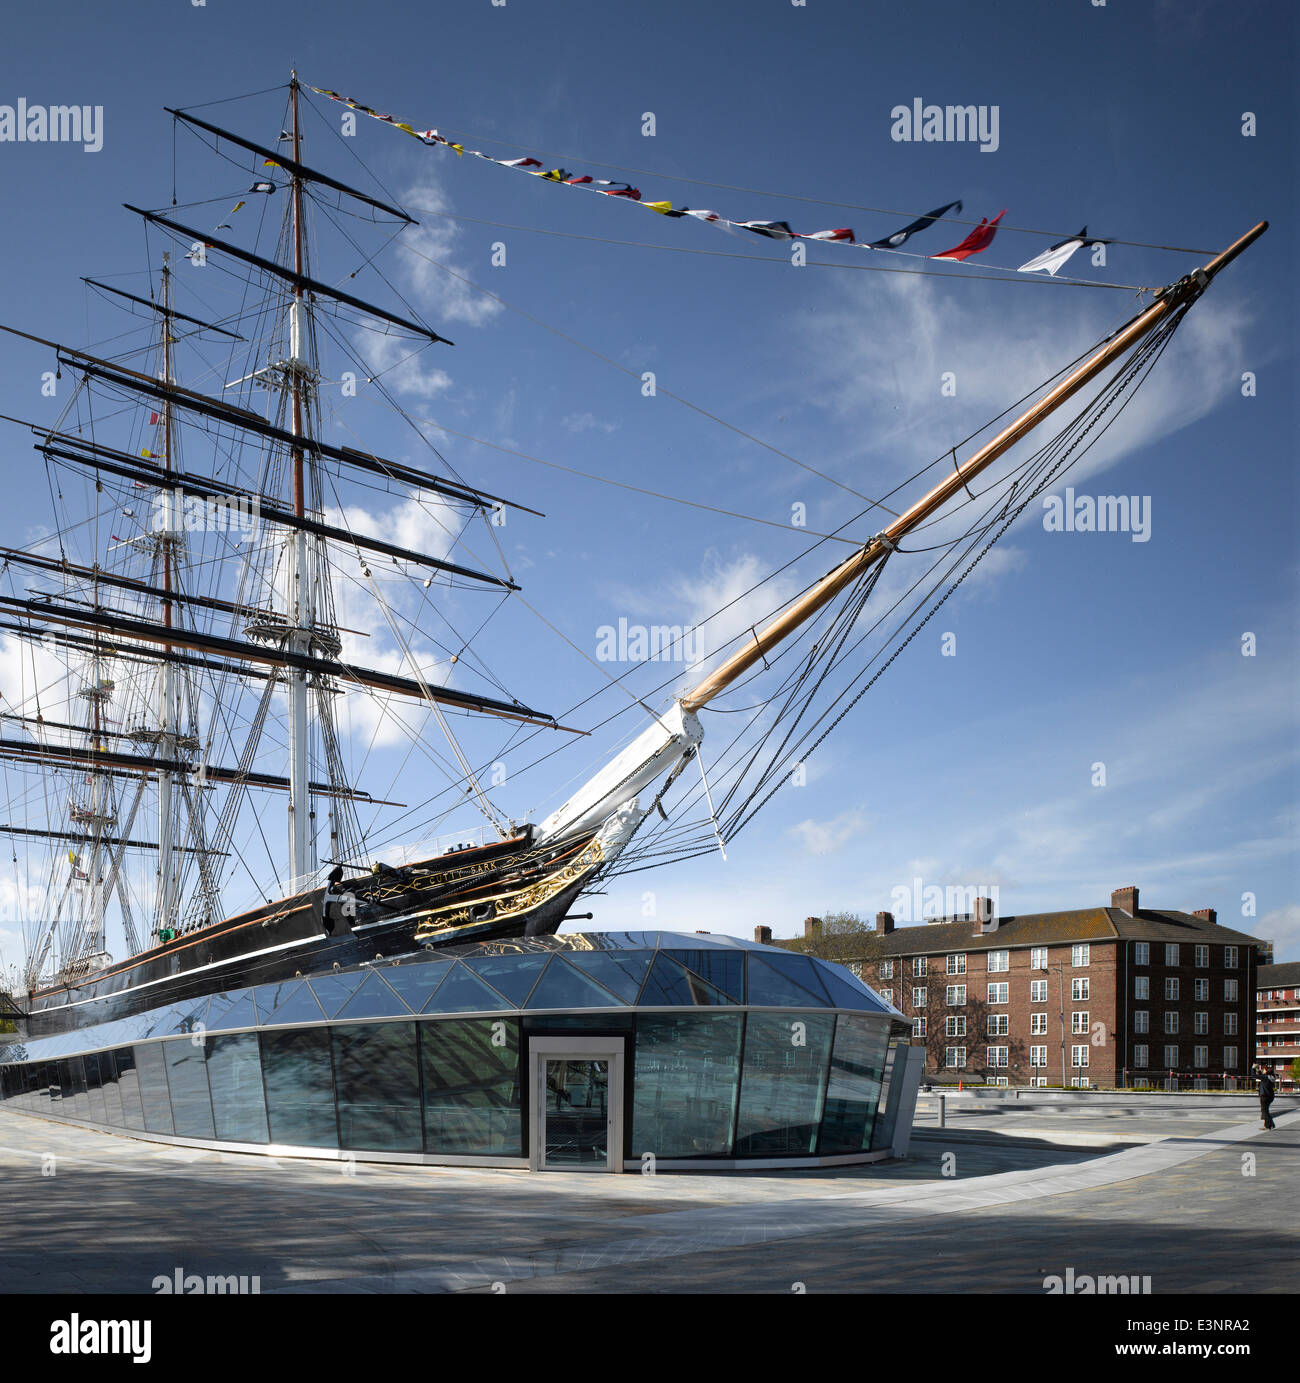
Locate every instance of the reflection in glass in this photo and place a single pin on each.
(511, 976)
(772, 986)
(669, 983)
(128, 1083)
(95, 1096)
(782, 1083)
(883, 1133)
(853, 1092)
(685, 1083)
(188, 1077)
(300, 1087)
(113, 1115)
(471, 1087)
(723, 969)
(152, 1069)
(564, 987)
(235, 1076)
(377, 1074)
(577, 1112)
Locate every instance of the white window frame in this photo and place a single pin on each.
(1171, 989)
(1038, 1025)
(1201, 1023)
(996, 1058)
(1141, 1055)
(1141, 1020)
(1171, 953)
(1080, 990)
(957, 963)
(1171, 1022)
(998, 993)
(1141, 953)
(1141, 987)
(1079, 1056)
(1229, 1025)
(1201, 1058)
(920, 996)
(886, 969)
(1079, 1022)
(920, 1027)
(1037, 1056)
(1202, 954)
(1038, 957)
(997, 1025)
(1037, 991)
(1230, 1058)
(1080, 954)
(1171, 1056)
(955, 995)
(920, 967)
(954, 1058)
(1229, 957)
(1230, 991)
(955, 1025)
(999, 962)
(1201, 990)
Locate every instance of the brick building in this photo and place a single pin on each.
(1277, 1020)
(1104, 996)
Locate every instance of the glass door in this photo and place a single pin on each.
(576, 1106)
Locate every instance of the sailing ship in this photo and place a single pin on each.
(154, 655)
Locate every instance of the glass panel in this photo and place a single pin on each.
(686, 1078)
(577, 1112)
(463, 992)
(853, 1092)
(377, 1073)
(188, 1077)
(622, 972)
(112, 1094)
(669, 983)
(782, 1083)
(882, 1135)
(72, 1077)
(845, 993)
(415, 982)
(152, 1069)
(238, 1013)
(768, 986)
(300, 1087)
(471, 1087)
(805, 972)
(235, 1076)
(512, 976)
(289, 1002)
(564, 987)
(724, 970)
(128, 1082)
(373, 999)
(95, 1096)
(334, 991)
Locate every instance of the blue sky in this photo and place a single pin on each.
(1072, 648)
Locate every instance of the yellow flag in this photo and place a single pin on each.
(236, 207)
(661, 207)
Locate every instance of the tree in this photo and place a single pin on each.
(1295, 1070)
(843, 936)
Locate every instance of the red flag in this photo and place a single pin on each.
(979, 239)
(153, 418)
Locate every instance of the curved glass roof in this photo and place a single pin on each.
(580, 971)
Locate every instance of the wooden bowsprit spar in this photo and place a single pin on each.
(1185, 291)
(613, 794)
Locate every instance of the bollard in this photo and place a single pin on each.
(941, 1112)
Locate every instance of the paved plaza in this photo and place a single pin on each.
(995, 1202)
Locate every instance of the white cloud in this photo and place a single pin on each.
(435, 275)
(586, 422)
(827, 837)
(1281, 926)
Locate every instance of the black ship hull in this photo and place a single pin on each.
(510, 888)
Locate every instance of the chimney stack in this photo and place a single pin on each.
(763, 935)
(1126, 900)
(985, 918)
(884, 923)
(812, 926)
(1207, 915)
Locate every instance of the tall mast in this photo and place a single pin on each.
(300, 594)
(853, 567)
(168, 720)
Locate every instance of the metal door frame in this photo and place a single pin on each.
(544, 1049)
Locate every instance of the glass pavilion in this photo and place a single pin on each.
(593, 1050)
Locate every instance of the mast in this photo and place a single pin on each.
(167, 718)
(299, 606)
(1174, 297)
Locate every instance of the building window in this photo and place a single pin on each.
(995, 1057)
(1038, 1056)
(1079, 1021)
(1038, 958)
(1171, 1056)
(997, 993)
(1079, 954)
(955, 1025)
(1171, 1021)
(854, 967)
(956, 995)
(1230, 1058)
(1200, 1057)
(888, 996)
(1038, 1025)
(1201, 991)
(1141, 1055)
(1202, 955)
(999, 1081)
(918, 998)
(1079, 990)
(1079, 1055)
(1230, 991)
(1229, 1025)
(886, 969)
(957, 964)
(919, 1027)
(1080, 1082)
(1141, 953)
(999, 962)
(1141, 1020)
(1038, 1081)
(998, 1025)
(954, 1057)
(1141, 987)
(1229, 957)
(919, 966)
(1171, 987)
(1171, 953)
(1037, 991)
(1201, 1024)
